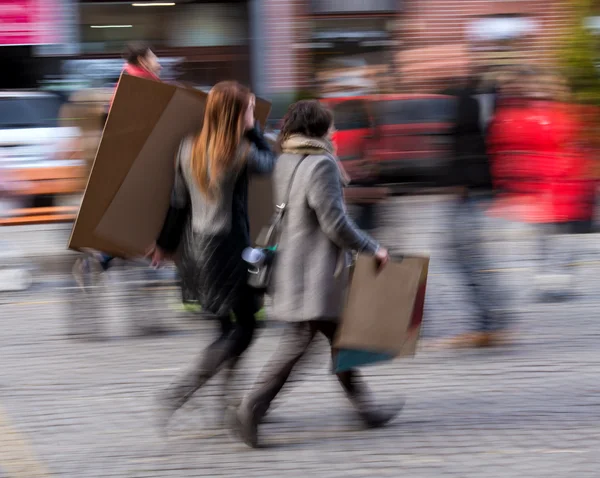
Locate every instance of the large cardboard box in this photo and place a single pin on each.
(383, 315)
(128, 192)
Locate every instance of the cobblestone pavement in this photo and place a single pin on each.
(77, 408)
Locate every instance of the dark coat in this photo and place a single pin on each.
(213, 234)
(470, 167)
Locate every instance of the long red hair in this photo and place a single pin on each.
(217, 148)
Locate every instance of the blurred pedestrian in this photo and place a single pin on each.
(541, 155)
(140, 61)
(311, 273)
(471, 175)
(208, 217)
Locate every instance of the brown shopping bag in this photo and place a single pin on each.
(383, 315)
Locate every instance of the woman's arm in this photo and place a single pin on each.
(325, 197)
(261, 159)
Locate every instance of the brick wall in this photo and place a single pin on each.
(433, 23)
(283, 31)
(422, 24)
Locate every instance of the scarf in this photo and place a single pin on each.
(299, 144)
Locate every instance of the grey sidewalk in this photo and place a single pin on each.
(73, 408)
(43, 248)
(87, 409)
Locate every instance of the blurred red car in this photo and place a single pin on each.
(393, 138)
(540, 164)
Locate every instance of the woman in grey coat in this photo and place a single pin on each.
(208, 218)
(310, 275)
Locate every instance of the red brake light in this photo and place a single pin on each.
(334, 141)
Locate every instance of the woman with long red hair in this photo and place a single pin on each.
(208, 222)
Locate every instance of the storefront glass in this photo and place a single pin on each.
(352, 56)
(501, 40)
(107, 28)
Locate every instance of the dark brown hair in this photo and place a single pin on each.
(135, 51)
(307, 118)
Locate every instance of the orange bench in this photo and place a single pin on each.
(39, 215)
(51, 181)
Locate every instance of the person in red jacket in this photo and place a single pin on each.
(541, 164)
(140, 61)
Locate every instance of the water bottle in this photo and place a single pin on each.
(254, 256)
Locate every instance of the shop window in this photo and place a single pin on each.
(210, 24)
(502, 40)
(593, 23)
(353, 6)
(109, 27)
(501, 28)
(352, 56)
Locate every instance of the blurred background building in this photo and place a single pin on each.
(70, 40)
(280, 47)
(285, 50)
(346, 46)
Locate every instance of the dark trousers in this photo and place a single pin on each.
(468, 241)
(236, 336)
(233, 340)
(293, 345)
(105, 261)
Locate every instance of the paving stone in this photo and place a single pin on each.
(88, 408)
